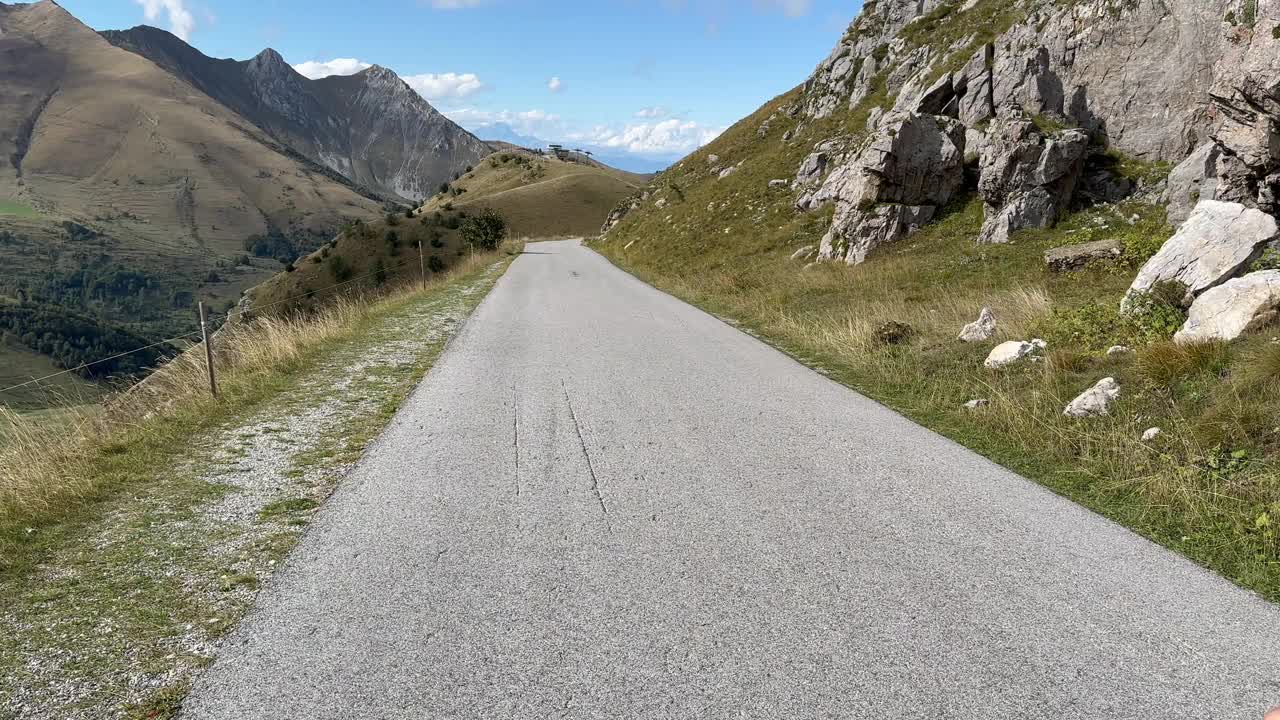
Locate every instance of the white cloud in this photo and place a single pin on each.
(432, 86)
(650, 113)
(181, 21)
(440, 86)
(316, 69)
(555, 85)
(667, 137)
(790, 8)
(528, 122)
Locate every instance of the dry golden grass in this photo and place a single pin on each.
(47, 469)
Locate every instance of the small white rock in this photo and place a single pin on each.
(981, 329)
(1008, 353)
(1151, 434)
(1094, 401)
(1118, 350)
(979, 403)
(804, 253)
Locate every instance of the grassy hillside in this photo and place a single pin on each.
(540, 195)
(1208, 487)
(537, 196)
(366, 256)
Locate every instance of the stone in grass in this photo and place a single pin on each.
(977, 404)
(1151, 434)
(980, 330)
(1118, 350)
(804, 253)
(1008, 353)
(894, 333)
(1075, 257)
(1094, 401)
(778, 184)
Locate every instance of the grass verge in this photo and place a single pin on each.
(131, 545)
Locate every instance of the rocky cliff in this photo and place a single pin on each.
(1039, 108)
(370, 127)
(1037, 89)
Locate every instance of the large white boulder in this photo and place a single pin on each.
(1233, 308)
(1094, 401)
(1213, 245)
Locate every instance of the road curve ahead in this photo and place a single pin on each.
(603, 503)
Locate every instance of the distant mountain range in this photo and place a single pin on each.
(138, 175)
(371, 127)
(502, 132)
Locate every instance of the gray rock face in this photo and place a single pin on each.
(1095, 401)
(1234, 308)
(865, 230)
(1027, 177)
(908, 170)
(1075, 257)
(1216, 242)
(866, 49)
(1136, 70)
(1193, 180)
(965, 94)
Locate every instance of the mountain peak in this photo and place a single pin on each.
(268, 57)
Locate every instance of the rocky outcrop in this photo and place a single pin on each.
(1027, 177)
(1234, 308)
(1095, 401)
(1193, 180)
(908, 170)
(621, 211)
(865, 53)
(1135, 70)
(1216, 243)
(1075, 257)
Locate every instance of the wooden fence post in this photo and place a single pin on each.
(208, 351)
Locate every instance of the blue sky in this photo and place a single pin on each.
(641, 78)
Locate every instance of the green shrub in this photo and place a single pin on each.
(1270, 259)
(486, 230)
(339, 268)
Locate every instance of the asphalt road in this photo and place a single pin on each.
(603, 503)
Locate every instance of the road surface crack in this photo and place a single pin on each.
(515, 429)
(595, 481)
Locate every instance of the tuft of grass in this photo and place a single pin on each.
(17, 209)
(1163, 365)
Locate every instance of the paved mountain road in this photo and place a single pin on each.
(603, 503)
